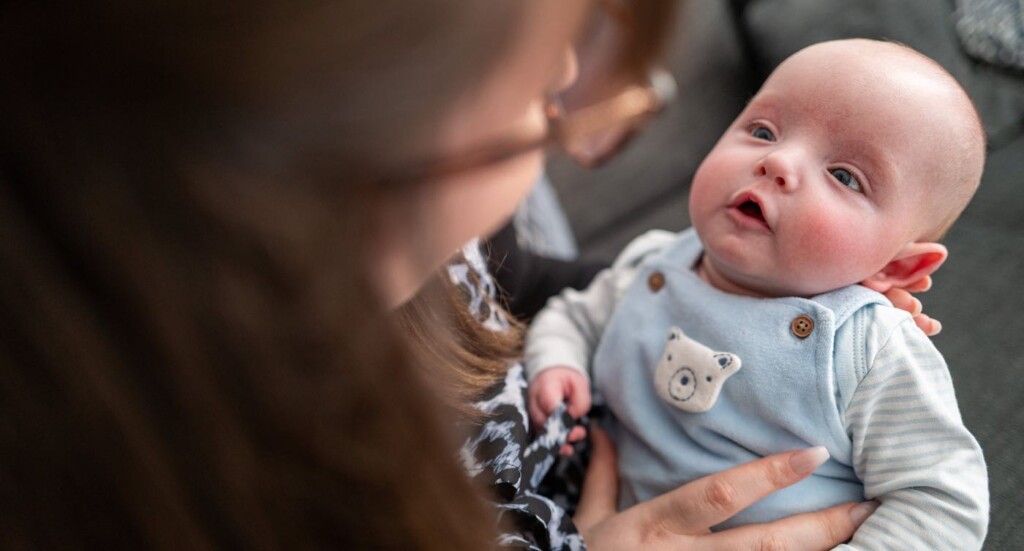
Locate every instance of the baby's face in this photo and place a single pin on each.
(821, 180)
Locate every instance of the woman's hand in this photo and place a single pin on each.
(681, 519)
(902, 299)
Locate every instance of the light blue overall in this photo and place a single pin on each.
(786, 396)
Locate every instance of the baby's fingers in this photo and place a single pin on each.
(578, 396)
(537, 416)
(544, 398)
(579, 432)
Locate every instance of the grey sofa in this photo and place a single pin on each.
(720, 56)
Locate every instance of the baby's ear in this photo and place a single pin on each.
(913, 262)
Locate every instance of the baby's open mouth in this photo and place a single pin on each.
(747, 210)
(752, 209)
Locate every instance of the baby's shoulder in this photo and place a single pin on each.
(881, 340)
(643, 246)
(882, 327)
(884, 317)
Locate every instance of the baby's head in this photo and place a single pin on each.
(848, 166)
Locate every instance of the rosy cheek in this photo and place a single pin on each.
(823, 241)
(710, 183)
(839, 249)
(817, 231)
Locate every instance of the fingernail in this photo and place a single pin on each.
(937, 327)
(805, 461)
(862, 511)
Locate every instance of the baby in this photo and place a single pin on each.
(763, 328)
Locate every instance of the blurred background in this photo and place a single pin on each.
(721, 53)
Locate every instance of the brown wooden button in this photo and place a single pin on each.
(802, 326)
(656, 281)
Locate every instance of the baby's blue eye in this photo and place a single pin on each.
(846, 178)
(762, 133)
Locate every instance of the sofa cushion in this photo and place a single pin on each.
(778, 28)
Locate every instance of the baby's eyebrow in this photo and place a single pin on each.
(764, 102)
(878, 159)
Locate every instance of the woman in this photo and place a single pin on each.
(209, 213)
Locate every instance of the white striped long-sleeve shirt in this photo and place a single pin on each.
(913, 453)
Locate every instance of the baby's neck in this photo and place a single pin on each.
(707, 272)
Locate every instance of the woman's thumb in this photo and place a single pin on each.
(601, 485)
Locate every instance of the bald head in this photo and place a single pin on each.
(923, 98)
(966, 160)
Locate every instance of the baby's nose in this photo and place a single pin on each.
(778, 168)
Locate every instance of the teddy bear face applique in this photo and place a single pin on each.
(690, 375)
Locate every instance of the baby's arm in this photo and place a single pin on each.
(560, 343)
(914, 454)
(565, 334)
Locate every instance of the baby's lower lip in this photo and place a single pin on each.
(748, 221)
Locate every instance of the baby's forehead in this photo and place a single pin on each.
(849, 124)
(869, 100)
(863, 53)
(863, 77)
(857, 79)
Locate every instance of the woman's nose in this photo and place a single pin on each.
(568, 71)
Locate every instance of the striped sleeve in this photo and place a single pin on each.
(913, 452)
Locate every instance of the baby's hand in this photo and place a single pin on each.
(554, 386)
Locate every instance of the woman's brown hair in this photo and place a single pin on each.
(192, 353)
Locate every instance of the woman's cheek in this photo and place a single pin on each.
(515, 184)
(479, 204)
